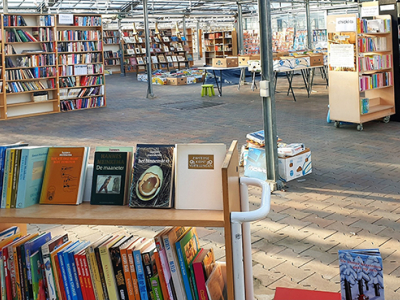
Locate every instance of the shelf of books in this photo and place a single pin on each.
(220, 44)
(251, 42)
(44, 199)
(112, 51)
(81, 63)
(2, 97)
(168, 49)
(360, 69)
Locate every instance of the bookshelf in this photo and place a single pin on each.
(361, 80)
(251, 42)
(112, 53)
(36, 59)
(86, 214)
(220, 44)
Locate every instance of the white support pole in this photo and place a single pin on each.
(148, 55)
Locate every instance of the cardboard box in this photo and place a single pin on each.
(177, 80)
(244, 59)
(190, 80)
(227, 62)
(289, 168)
(159, 80)
(316, 59)
(296, 166)
(255, 57)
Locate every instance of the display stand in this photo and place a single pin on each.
(112, 53)
(348, 96)
(220, 44)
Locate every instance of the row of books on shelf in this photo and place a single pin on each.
(68, 105)
(73, 59)
(170, 266)
(18, 35)
(37, 72)
(87, 21)
(218, 35)
(377, 80)
(43, 34)
(155, 59)
(76, 81)
(373, 26)
(76, 70)
(374, 62)
(79, 46)
(18, 86)
(160, 175)
(31, 61)
(79, 35)
(14, 20)
(371, 44)
(81, 92)
(112, 62)
(111, 34)
(112, 54)
(109, 40)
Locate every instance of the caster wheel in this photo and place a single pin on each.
(386, 119)
(360, 127)
(337, 124)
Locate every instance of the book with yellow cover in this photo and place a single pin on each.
(65, 174)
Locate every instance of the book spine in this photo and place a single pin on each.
(80, 276)
(5, 180)
(7, 273)
(10, 177)
(184, 274)
(3, 292)
(108, 274)
(51, 289)
(11, 267)
(101, 273)
(60, 282)
(88, 280)
(132, 270)
(20, 275)
(15, 177)
(73, 276)
(64, 276)
(200, 281)
(127, 275)
(192, 281)
(175, 271)
(94, 273)
(167, 273)
(156, 288)
(148, 272)
(140, 275)
(161, 277)
(119, 272)
(21, 190)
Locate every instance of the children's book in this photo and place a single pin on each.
(361, 275)
(216, 283)
(282, 293)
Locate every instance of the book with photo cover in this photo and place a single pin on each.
(153, 176)
(361, 275)
(169, 59)
(140, 60)
(111, 174)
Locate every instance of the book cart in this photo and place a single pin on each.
(45, 57)
(235, 200)
(220, 44)
(350, 100)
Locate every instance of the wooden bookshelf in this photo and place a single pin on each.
(346, 92)
(86, 214)
(112, 42)
(220, 44)
(3, 107)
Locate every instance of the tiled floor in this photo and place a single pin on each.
(351, 200)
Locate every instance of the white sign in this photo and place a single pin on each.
(370, 11)
(387, 7)
(341, 55)
(67, 19)
(346, 24)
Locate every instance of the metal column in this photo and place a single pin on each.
(184, 27)
(148, 58)
(5, 6)
(121, 49)
(240, 29)
(198, 40)
(308, 20)
(270, 133)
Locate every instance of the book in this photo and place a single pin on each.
(257, 137)
(132, 268)
(65, 175)
(37, 278)
(160, 277)
(140, 273)
(169, 238)
(111, 175)
(69, 258)
(202, 267)
(7, 180)
(361, 275)
(63, 261)
(33, 160)
(55, 264)
(216, 283)
(152, 184)
(200, 163)
(15, 177)
(282, 293)
(186, 248)
(166, 272)
(126, 268)
(150, 270)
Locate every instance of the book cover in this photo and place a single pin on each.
(37, 279)
(153, 176)
(282, 293)
(110, 178)
(156, 287)
(202, 267)
(33, 160)
(169, 239)
(64, 175)
(216, 283)
(57, 271)
(164, 264)
(46, 250)
(186, 248)
(200, 163)
(161, 277)
(361, 275)
(257, 137)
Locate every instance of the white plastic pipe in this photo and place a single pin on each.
(241, 244)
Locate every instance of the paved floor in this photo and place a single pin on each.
(351, 200)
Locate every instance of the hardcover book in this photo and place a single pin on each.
(152, 184)
(65, 175)
(111, 174)
(57, 271)
(216, 283)
(282, 293)
(132, 268)
(361, 275)
(201, 268)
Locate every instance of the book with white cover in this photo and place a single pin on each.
(198, 180)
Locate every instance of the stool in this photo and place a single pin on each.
(207, 89)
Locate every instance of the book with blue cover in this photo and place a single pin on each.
(140, 273)
(257, 137)
(361, 274)
(63, 267)
(72, 272)
(32, 166)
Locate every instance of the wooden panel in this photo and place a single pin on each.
(234, 43)
(200, 41)
(86, 214)
(231, 196)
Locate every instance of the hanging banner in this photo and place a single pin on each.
(341, 55)
(66, 19)
(346, 24)
(370, 9)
